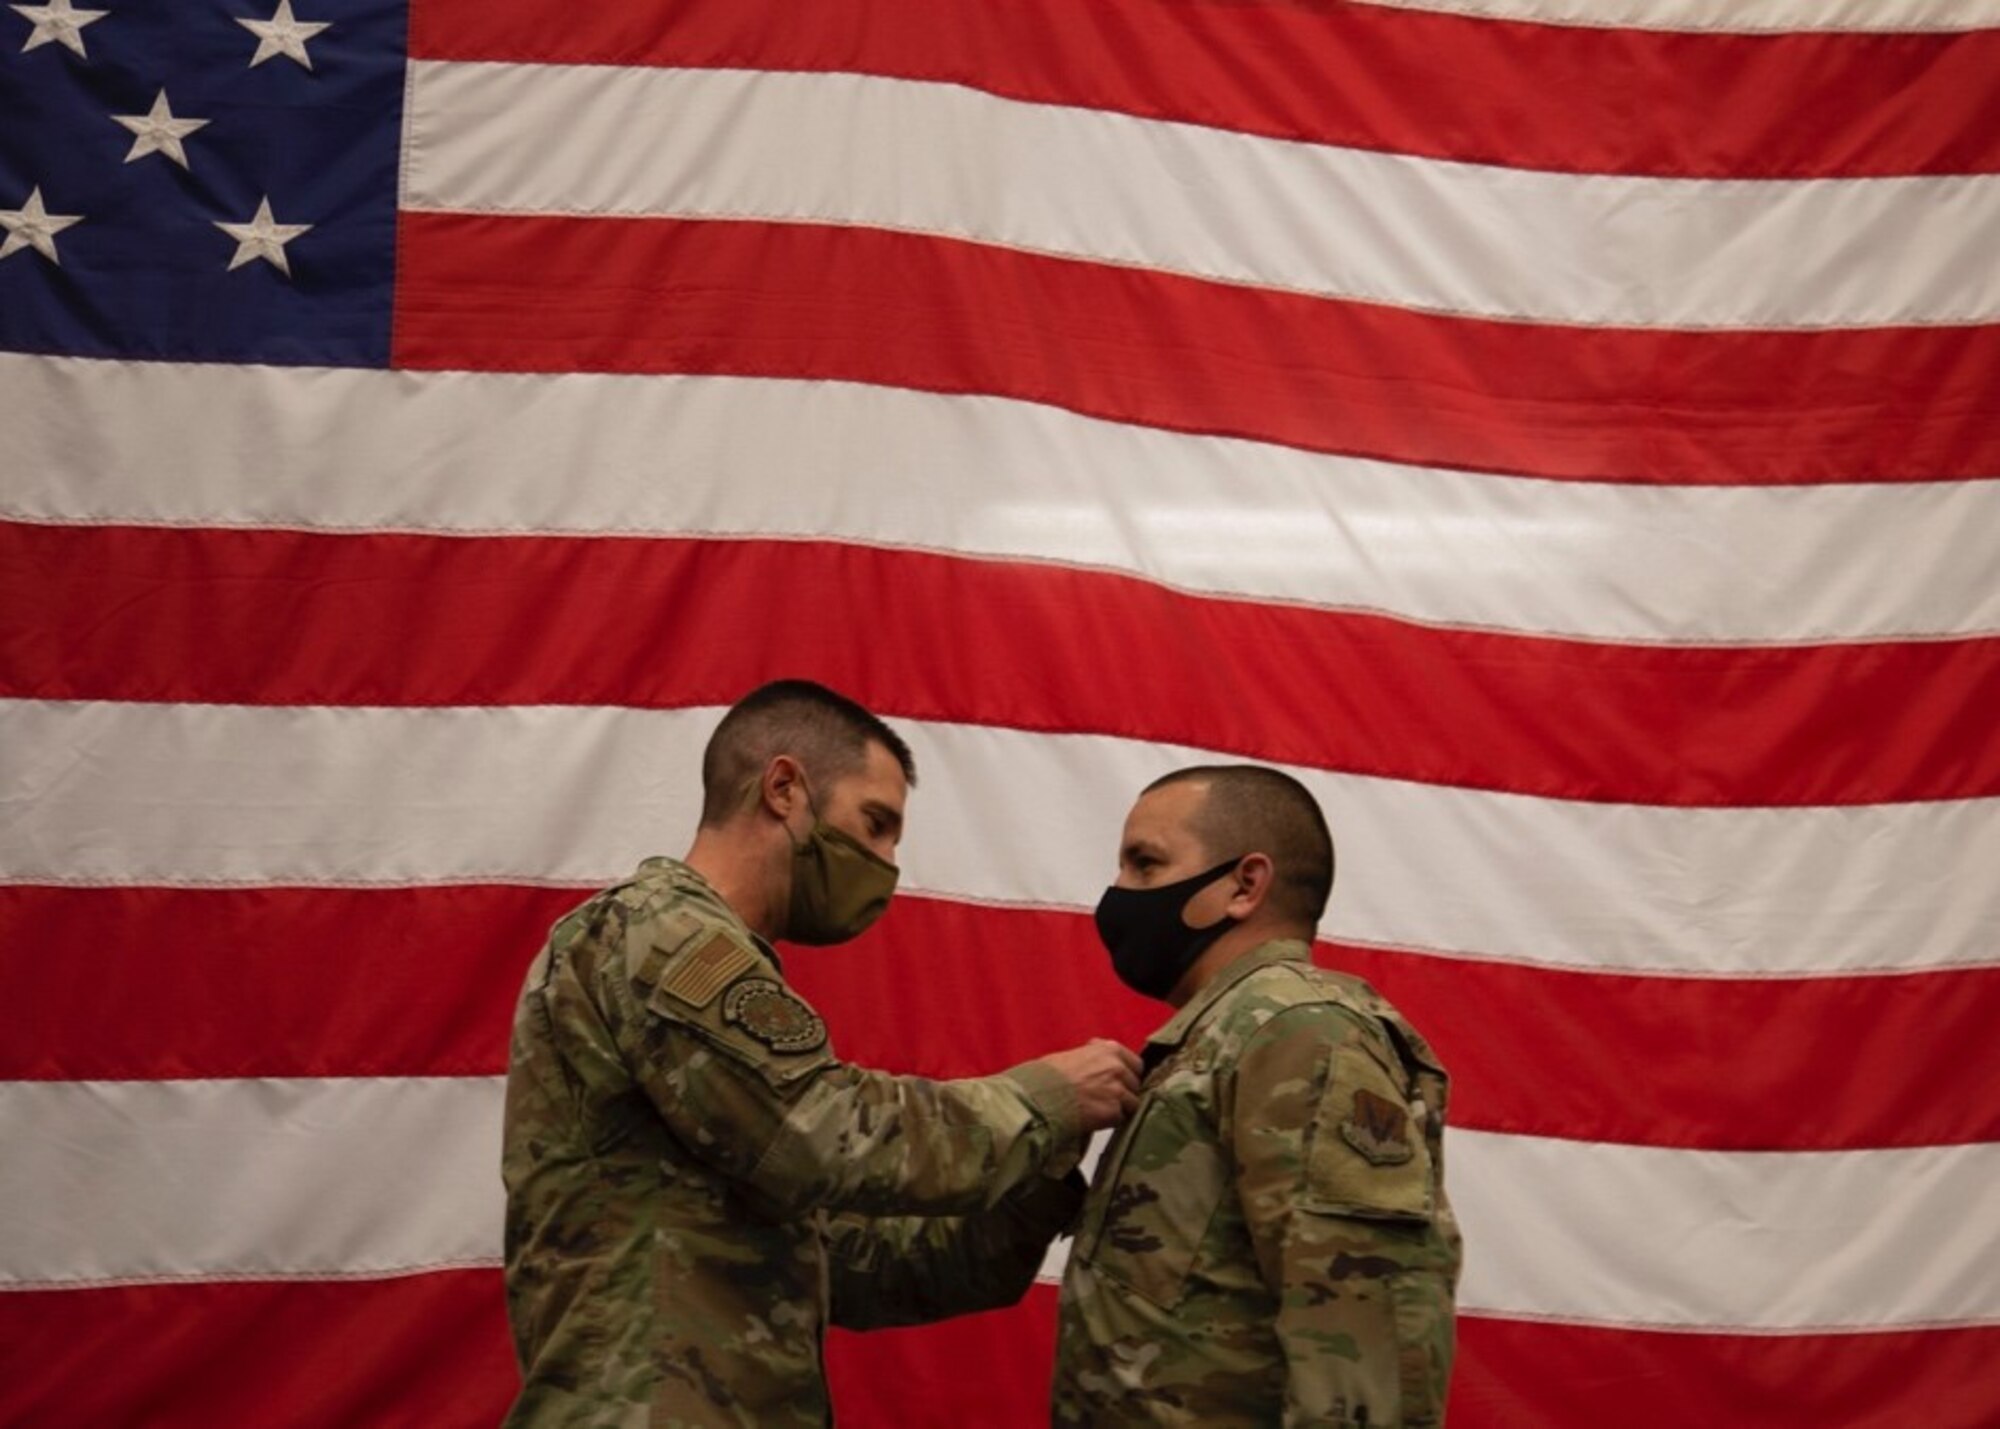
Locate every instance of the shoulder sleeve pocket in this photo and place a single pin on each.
(755, 1020)
(1368, 1155)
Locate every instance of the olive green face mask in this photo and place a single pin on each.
(838, 887)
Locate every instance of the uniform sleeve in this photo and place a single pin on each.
(1335, 1177)
(908, 1270)
(739, 1067)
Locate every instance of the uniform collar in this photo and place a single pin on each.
(683, 876)
(1177, 1027)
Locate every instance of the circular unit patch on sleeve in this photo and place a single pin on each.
(768, 1011)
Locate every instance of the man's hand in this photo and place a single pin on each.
(1105, 1077)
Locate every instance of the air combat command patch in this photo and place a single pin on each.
(1378, 1129)
(768, 1011)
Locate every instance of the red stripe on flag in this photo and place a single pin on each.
(1517, 1373)
(431, 1350)
(267, 982)
(1817, 1064)
(1509, 1374)
(1444, 86)
(1749, 1064)
(282, 617)
(426, 1350)
(558, 294)
(421, 982)
(976, 1372)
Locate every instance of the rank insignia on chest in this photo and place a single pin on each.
(1378, 1129)
(770, 1013)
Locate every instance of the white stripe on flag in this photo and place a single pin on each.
(139, 1181)
(118, 793)
(133, 1181)
(1496, 242)
(1637, 1235)
(480, 453)
(1587, 1233)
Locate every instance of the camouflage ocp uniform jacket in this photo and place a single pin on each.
(1267, 1241)
(696, 1187)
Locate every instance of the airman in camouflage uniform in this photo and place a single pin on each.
(1268, 1240)
(697, 1187)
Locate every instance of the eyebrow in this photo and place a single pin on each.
(1139, 846)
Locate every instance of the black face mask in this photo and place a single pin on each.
(1150, 944)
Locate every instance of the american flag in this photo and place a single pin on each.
(1564, 432)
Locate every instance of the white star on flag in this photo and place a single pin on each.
(263, 237)
(159, 132)
(32, 226)
(56, 21)
(282, 35)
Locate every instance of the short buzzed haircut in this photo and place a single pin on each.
(1249, 808)
(826, 732)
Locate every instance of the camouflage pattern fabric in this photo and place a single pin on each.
(696, 1186)
(1267, 1241)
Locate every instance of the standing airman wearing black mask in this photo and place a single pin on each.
(1268, 1240)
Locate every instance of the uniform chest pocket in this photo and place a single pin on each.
(1166, 1184)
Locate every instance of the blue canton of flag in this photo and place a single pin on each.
(205, 182)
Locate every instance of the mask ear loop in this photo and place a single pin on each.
(1219, 872)
(753, 793)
